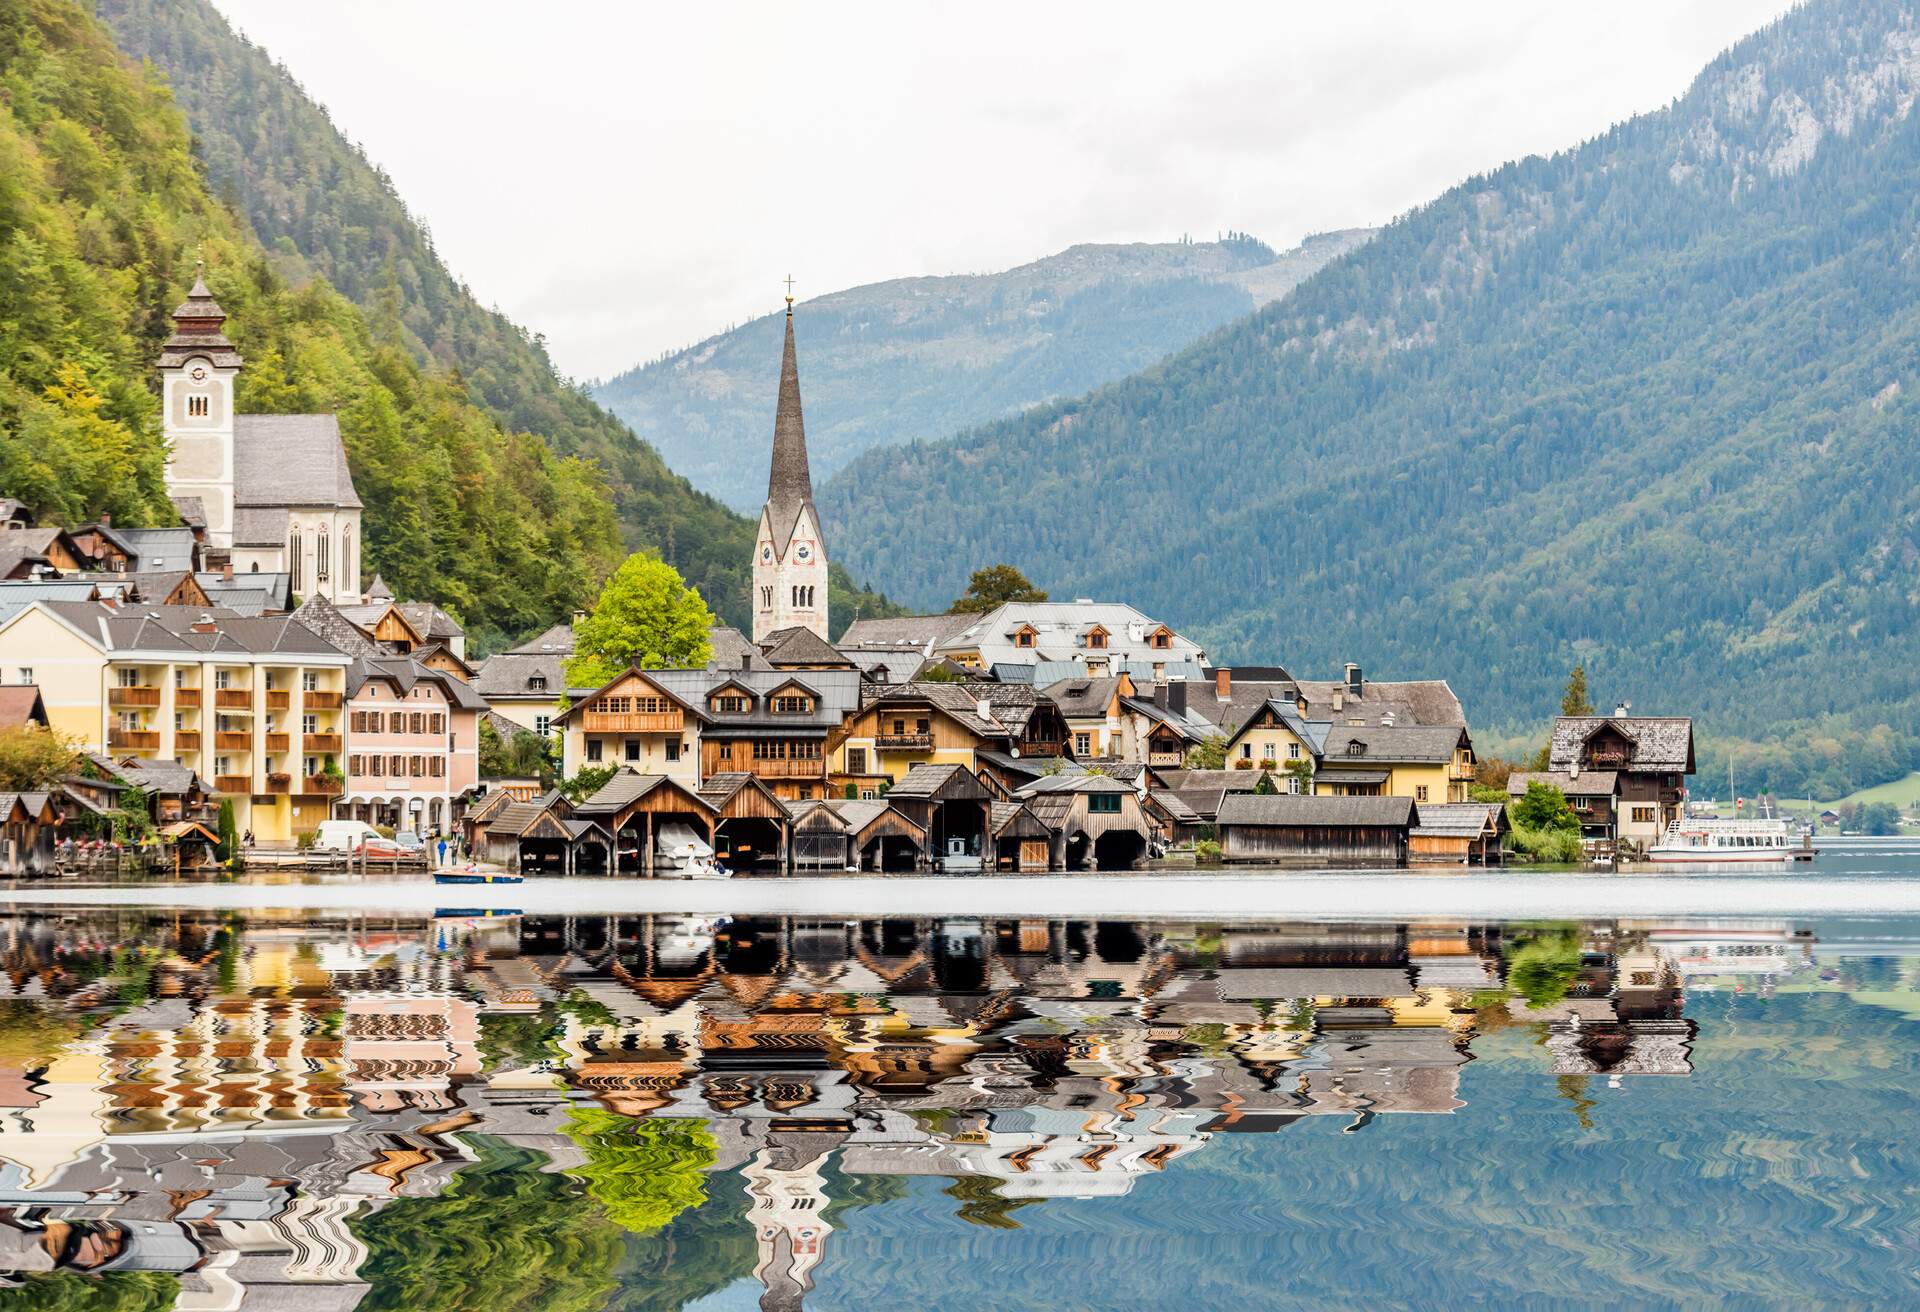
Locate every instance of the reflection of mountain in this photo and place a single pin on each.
(296, 1114)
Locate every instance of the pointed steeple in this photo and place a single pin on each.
(197, 328)
(789, 481)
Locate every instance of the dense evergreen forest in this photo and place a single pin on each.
(102, 215)
(926, 357)
(322, 210)
(1648, 404)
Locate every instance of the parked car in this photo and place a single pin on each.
(411, 841)
(377, 848)
(342, 835)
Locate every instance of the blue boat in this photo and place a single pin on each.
(473, 877)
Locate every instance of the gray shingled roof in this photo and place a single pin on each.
(1071, 783)
(259, 526)
(1400, 742)
(556, 641)
(801, 646)
(156, 549)
(170, 628)
(1660, 743)
(1588, 783)
(915, 631)
(290, 460)
(1458, 819)
(509, 673)
(1287, 809)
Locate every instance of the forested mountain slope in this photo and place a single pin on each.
(1647, 404)
(322, 209)
(926, 357)
(102, 215)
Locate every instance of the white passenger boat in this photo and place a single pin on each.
(1717, 842)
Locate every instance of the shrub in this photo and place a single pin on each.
(1207, 852)
(1558, 846)
(1544, 807)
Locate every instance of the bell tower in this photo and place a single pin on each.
(790, 550)
(198, 367)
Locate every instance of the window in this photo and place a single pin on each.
(543, 725)
(593, 749)
(1643, 815)
(26, 674)
(436, 723)
(129, 721)
(1104, 803)
(1246, 751)
(397, 766)
(197, 407)
(792, 705)
(1356, 748)
(356, 765)
(1293, 751)
(295, 578)
(766, 599)
(309, 724)
(376, 766)
(536, 683)
(730, 704)
(222, 679)
(128, 678)
(1420, 793)
(1082, 744)
(725, 754)
(322, 556)
(311, 766)
(673, 749)
(856, 760)
(1294, 785)
(437, 766)
(179, 721)
(346, 556)
(1024, 638)
(416, 723)
(899, 728)
(633, 749)
(1097, 639)
(223, 765)
(309, 681)
(179, 678)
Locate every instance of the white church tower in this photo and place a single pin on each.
(790, 553)
(197, 367)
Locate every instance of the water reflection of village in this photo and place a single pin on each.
(226, 1100)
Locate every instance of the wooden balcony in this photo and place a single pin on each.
(1170, 759)
(633, 722)
(816, 769)
(186, 740)
(187, 699)
(233, 742)
(320, 785)
(279, 699)
(279, 784)
(1043, 747)
(320, 742)
(233, 783)
(318, 699)
(119, 696)
(134, 740)
(233, 699)
(279, 742)
(904, 742)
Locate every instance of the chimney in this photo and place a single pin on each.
(226, 571)
(579, 618)
(1621, 708)
(1339, 700)
(1223, 683)
(205, 624)
(106, 520)
(1177, 697)
(1355, 683)
(983, 708)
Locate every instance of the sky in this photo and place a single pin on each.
(629, 179)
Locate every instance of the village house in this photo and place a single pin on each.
(1097, 637)
(253, 704)
(1428, 763)
(1645, 760)
(939, 724)
(524, 684)
(1231, 696)
(274, 490)
(1094, 822)
(413, 745)
(1285, 830)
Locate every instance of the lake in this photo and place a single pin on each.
(261, 1107)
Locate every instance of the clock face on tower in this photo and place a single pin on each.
(198, 373)
(803, 553)
(766, 553)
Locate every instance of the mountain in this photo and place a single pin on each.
(323, 210)
(919, 358)
(102, 215)
(1648, 404)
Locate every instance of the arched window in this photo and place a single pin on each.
(346, 558)
(321, 562)
(295, 578)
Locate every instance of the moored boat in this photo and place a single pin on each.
(473, 877)
(1718, 842)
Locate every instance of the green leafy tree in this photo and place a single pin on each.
(589, 780)
(525, 755)
(1574, 701)
(646, 616)
(1301, 774)
(992, 586)
(33, 757)
(1210, 753)
(1265, 786)
(1545, 807)
(643, 1172)
(504, 1236)
(115, 1291)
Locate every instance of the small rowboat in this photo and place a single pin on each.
(473, 877)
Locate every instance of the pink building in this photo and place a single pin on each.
(413, 745)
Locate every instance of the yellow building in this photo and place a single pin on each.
(252, 704)
(1426, 762)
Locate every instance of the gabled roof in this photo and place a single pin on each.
(1014, 820)
(556, 641)
(627, 787)
(1460, 820)
(1588, 783)
(938, 783)
(325, 619)
(156, 549)
(1398, 743)
(1289, 809)
(20, 705)
(290, 460)
(1659, 743)
(917, 632)
(801, 647)
(953, 699)
(1072, 783)
(511, 674)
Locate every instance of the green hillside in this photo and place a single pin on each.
(320, 208)
(1647, 404)
(925, 357)
(102, 213)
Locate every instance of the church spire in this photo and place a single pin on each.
(789, 481)
(198, 329)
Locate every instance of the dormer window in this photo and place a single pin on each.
(1024, 638)
(792, 704)
(730, 704)
(1356, 748)
(1097, 639)
(536, 683)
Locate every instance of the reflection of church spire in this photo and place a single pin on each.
(788, 1186)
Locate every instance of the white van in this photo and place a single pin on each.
(342, 835)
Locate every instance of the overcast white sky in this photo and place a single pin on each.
(630, 178)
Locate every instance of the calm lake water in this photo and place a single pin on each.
(256, 1109)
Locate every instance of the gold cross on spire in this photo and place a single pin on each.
(789, 291)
